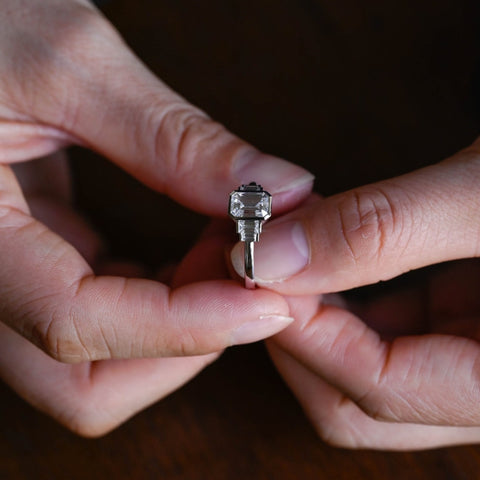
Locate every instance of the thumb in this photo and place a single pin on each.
(87, 84)
(375, 232)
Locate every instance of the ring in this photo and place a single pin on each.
(250, 206)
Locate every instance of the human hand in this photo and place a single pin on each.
(66, 78)
(91, 398)
(404, 374)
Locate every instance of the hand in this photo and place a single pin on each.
(407, 376)
(66, 78)
(91, 398)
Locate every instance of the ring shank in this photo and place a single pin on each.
(249, 265)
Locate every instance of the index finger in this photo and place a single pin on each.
(89, 88)
(374, 232)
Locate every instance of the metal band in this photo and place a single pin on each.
(249, 265)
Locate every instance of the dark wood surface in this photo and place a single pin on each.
(354, 91)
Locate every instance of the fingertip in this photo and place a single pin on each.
(288, 183)
(282, 252)
(225, 314)
(294, 195)
(263, 327)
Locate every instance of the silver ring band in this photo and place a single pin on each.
(249, 265)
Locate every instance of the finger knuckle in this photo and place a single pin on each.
(61, 338)
(86, 421)
(370, 222)
(339, 428)
(83, 427)
(182, 132)
(384, 404)
(336, 437)
(378, 409)
(12, 219)
(186, 344)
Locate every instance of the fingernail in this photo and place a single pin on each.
(282, 252)
(264, 327)
(274, 174)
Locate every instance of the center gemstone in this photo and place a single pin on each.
(250, 205)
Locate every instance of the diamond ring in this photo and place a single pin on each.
(250, 206)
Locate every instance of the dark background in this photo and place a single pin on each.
(353, 91)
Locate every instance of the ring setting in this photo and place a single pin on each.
(250, 206)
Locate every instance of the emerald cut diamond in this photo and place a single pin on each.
(250, 206)
(250, 202)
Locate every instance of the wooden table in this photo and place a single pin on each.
(354, 91)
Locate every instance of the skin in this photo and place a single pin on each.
(80, 339)
(91, 350)
(403, 371)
